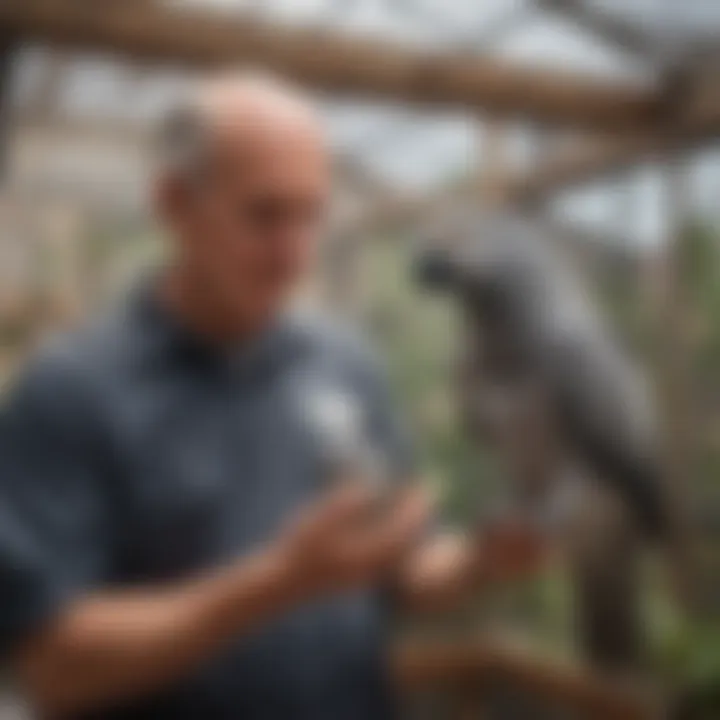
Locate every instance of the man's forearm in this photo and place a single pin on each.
(122, 645)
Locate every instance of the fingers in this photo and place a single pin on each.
(354, 536)
(343, 507)
(384, 541)
(408, 520)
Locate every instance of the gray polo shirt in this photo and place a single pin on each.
(132, 454)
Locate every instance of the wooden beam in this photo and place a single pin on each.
(493, 164)
(111, 131)
(585, 162)
(7, 54)
(330, 62)
(44, 100)
(672, 322)
(588, 247)
(455, 665)
(694, 120)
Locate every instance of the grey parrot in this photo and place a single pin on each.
(532, 325)
(544, 381)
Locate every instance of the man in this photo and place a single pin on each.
(169, 545)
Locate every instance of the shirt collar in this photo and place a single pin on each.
(262, 354)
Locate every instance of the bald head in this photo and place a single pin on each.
(243, 185)
(234, 111)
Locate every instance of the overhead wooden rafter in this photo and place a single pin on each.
(693, 120)
(330, 62)
(583, 163)
(7, 53)
(690, 116)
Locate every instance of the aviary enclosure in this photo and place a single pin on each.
(515, 107)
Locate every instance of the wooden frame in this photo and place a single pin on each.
(330, 62)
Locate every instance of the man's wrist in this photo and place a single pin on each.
(283, 582)
(255, 590)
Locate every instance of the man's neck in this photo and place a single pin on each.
(199, 309)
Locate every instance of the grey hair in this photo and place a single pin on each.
(184, 139)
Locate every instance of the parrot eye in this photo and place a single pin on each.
(435, 269)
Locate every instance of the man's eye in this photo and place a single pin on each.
(265, 213)
(273, 213)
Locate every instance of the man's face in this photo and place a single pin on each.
(249, 228)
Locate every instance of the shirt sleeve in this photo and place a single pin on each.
(51, 510)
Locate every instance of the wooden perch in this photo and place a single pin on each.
(456, 666)
(330, 62)
(7, 54)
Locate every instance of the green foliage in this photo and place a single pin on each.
(418, 336)
(701, 273)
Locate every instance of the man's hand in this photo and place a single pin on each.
(449, 567)
(118, 645)
(351, 538)
(509, 550)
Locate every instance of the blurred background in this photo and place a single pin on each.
(600, 116)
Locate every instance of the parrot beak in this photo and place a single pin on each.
(435, 270)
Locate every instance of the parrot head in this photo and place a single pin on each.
(469, 259)
(435, 269)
